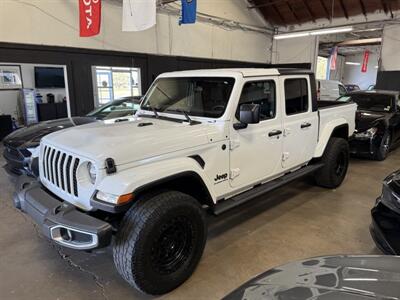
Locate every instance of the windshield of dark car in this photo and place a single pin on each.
(197, 96)
(373, 102)
(115, 109)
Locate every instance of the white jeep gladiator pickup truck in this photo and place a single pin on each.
(203, 141)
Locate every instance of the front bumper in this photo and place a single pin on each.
(364, 146)
(58, 220)
(385, 228)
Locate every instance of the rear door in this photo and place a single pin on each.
(300, 122)
(256, 151)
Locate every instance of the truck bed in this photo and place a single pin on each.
(322, 104)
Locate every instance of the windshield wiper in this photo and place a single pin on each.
(184, 112)
(154, 111)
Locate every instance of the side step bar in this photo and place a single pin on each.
(225, 205)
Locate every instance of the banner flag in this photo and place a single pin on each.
(333, 59)
(138, 15)
(89, 17)
(189, 9)
(364, 67)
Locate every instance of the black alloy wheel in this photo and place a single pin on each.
(172, 248)
(341, 164)
(335, 162)
(160, 241)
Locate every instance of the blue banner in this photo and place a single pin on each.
(189, 8)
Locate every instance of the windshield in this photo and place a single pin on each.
(372, 102)
(115, 109)
(197, 96)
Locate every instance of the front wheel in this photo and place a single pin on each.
(336, 162)
(384, 147)
(160, 242)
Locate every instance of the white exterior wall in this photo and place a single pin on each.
(55, 22)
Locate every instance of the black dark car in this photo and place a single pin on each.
(385, 226)
(377, 123)
(19, 145)
(327, 278)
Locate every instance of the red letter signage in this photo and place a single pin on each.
(89, 17)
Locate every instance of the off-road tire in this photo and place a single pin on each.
(384, 148)
(147, 236)
(336, 161)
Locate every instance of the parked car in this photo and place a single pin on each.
(329, 90)
(377, 123)
(19, 145)
(350, 277)
(385, 226)
(352, 88)
(206, 138)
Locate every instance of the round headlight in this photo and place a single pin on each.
(92, 172)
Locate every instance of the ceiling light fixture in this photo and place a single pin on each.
(312, 32)
(353, 63)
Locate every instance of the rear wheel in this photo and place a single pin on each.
(160, 242)
(384, 147)
(336, 162)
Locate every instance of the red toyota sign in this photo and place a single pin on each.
(364, 68)
(89, 17)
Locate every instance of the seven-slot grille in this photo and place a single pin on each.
(59, 168)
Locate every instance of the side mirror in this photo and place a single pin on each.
(249, 114)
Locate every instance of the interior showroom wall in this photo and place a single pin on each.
(389, 69)
(55, 23)
(295, 50)
(9, 98)
(352, 69)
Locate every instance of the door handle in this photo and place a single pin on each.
(305, 125)
(274, 133)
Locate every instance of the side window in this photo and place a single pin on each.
(262, 93)
(296, 96)
(342, 90)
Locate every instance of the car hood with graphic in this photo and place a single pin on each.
(331, 277)
(30, 136)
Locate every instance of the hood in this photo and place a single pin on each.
(130, 141)
(30, 136)
(334, 277)
(367, 119)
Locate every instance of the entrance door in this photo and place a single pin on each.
(256, 150)
(300, 122)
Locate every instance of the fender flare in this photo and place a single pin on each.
(162, 181)
(144, 177)
(327, 133)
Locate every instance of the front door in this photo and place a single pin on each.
(300, 122)
(256, 151)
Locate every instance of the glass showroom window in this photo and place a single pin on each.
(115, 82)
